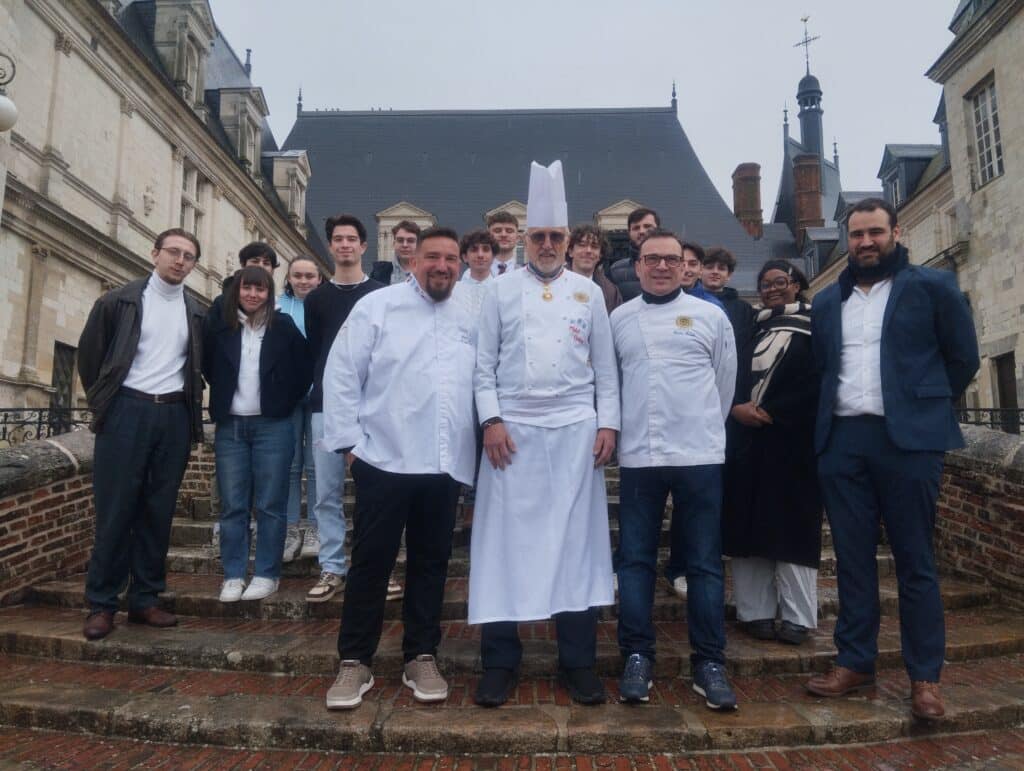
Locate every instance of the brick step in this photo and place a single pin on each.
(205, 560)
(265, 712)
(196, 594)
(308, 647)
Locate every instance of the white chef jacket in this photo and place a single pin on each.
(398, 384)
(469, 293)
(678, 363)
(860, 359)
(555, 355)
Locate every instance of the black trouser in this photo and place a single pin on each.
(424, 506)
(139, 461)
(500, 647)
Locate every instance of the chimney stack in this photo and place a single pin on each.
(746, 198)
(807, 186)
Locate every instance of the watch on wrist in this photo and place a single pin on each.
(491, 422)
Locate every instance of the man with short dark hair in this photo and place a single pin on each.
(639, 223)
(896, 347)
(477, 251)
(504, 227)
(326, 309)
(139, 359)
(588, 246)
(409, 449)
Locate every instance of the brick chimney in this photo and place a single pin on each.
(807, 187)
(746, 198)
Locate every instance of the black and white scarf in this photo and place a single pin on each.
(775, 330)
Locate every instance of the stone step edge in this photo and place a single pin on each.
(287, 722)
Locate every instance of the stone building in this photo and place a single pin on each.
(134, 117)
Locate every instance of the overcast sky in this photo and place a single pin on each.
(734, 63)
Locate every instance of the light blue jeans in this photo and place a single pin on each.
(252, 455)
(302, 460)
(329, 512)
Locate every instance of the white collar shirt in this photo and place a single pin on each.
(546, 362)
(398, 385)
(678, 365)
(509, 267)
(469, 293)
(246, 400)
(860, 362)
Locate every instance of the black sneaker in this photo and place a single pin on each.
(762, 629)
(495, 687)
(583, 685)
(711, 682)
(791, 633)
(636, 681)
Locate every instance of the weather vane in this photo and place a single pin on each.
(806, 43)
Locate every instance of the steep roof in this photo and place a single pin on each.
(785, 201)
(459, 164)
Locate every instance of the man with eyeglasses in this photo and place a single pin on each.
(540, 545)
(677, 359)
(138, 358)
(406, 235)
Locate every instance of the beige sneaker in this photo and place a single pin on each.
(422, 676)
(324, 589)
(395, 589)
(354, 679)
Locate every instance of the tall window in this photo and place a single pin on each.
(988, 139)
(193, 193)
(62, 380)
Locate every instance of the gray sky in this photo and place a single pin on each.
(734, 63)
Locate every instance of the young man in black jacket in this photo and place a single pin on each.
(139, 359)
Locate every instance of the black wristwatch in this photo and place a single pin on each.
(491, 422)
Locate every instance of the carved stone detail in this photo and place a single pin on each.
(127, 106)
(63, 43)
(41, 253)
(148, 200)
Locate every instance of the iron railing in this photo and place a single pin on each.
(1006, 420)
(22, 424)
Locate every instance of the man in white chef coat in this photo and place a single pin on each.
(398, 389)
(540, 544)
(677, 354)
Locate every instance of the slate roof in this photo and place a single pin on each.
(848, 198)
(777, 242)
(460, 164)
(785, 201)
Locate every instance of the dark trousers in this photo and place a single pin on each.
(865, 480)
(139, 461)
(500, 647)
(696, 537)
(424, 506)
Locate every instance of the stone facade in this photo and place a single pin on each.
(110, 148)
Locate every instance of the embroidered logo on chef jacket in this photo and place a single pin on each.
(578, 328)
(581, 297)
(684, 322)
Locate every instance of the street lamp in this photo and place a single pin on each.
(8, 110)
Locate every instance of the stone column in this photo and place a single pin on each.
(33, 312)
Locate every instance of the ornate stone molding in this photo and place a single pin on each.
(40, 253)
(63, 43)
(127, 106)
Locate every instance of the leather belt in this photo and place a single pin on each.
(171, 398)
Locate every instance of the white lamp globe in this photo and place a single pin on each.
(8, 113)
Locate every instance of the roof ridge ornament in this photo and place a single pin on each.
(806, 43)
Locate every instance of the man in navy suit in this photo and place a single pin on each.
(895, 345)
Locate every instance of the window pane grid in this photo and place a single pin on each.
(988, 137)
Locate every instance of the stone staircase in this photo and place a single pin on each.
(253, 675)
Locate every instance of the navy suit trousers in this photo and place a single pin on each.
(866, 480)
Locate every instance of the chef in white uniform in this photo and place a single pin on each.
(547, 396)
(398, 389)
(677, 354)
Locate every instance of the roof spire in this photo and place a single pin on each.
(298, 105)
(674, 100)
(248, 61)
(835, 153)
(806, 43)
(785, 120)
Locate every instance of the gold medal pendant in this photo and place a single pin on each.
(547, 296)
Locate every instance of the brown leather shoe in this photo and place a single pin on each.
(153, 616)
(839, 681)
(926, 700)
(98, 624)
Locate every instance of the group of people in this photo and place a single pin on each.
(524, 382)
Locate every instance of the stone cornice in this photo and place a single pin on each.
(973, 40)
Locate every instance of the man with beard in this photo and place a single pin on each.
(540, 543)
(397, 390)
(896, 347)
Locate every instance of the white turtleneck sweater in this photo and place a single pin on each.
(159, 363)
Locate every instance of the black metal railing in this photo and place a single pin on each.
(1009, 421)
(22, 424)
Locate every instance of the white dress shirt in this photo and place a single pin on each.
(678, 364)
(469, 293)
(246, 400)
(543, 362)
(398, 385)
(159, 363)
(510, 267)
(860, 363)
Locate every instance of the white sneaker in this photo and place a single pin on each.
(310, 543)
(292, 543)
(260, 588)
(231, 590)
(679, 586)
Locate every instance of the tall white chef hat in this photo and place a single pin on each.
(545, 207)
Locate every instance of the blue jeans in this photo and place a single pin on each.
(330, 489)
(302, 460)
(252, 456)
(696, 535)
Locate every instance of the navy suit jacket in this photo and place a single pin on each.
(929, 353)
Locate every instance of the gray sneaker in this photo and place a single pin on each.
(354, 679)
(310, 542)
(324, 589)
(292, 543)
(422, 676)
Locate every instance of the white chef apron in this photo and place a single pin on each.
(540, 542)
